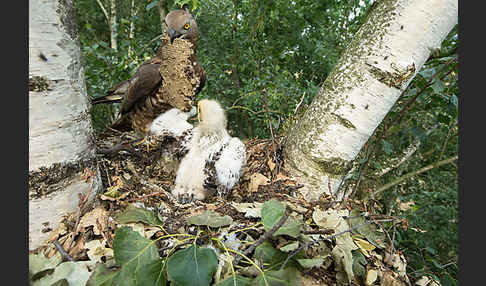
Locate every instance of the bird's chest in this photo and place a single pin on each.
(179, 77)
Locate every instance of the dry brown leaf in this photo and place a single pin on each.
(58, 232)
(389, 280)
(406, 206)
(97, 249)
(271, 164)
(89, 219)
(77, 251)
(371, 277)
(256, 180)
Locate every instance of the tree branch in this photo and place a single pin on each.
(411, 174)
(104, 11)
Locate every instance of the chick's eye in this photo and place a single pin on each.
(187, 26)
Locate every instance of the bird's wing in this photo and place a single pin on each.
(144, 82)
(230, 164)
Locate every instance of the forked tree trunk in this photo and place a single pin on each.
(60, 134)
(384, 56)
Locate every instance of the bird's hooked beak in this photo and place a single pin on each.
(172, 34)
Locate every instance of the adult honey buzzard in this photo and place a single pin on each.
(171, 79)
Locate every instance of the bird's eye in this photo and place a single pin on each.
(187, 26)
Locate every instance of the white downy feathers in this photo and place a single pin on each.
(214, 156)
(172, 123)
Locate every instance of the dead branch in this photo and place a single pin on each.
(411, 174)
(61, 250)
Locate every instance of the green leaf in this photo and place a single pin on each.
(359, 263)
(134, 214)
(285, 277)
(102, 276)
(39, 263)
(312, 262)
(74, 273)
(272, 256)
(211, 219)
(139, 259)
(235, 281)
(290, 247)
(192, 266)
(387, 147)
(438, 86)
(272, 212)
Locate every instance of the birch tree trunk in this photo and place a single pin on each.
(162, 12)
(384, 56)
(113, 25)
(131, 34)
(60, 134)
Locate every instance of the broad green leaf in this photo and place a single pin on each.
(273, 257)
(211, 219)
(139, 259)
(192, 266)
(312, 262)
(102, 276)
(359, 263)
(285, 277)
(272, 212)
(290, 247)
(134, 214)
(39, 263)
(438, 86)
(74, 273)
(387, 147)
(240, 281)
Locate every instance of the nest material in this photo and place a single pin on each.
(146, 178)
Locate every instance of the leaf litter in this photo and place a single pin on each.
(136, 234)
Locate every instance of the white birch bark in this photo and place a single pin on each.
(384, 56)
(60, 130)
(162, 13)
(113, 25)
(131, 32)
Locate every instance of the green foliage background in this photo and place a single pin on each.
(277, 54)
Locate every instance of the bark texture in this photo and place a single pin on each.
(384, 56)
(60, 133)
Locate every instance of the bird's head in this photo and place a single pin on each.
(211, 116)
(181, 24)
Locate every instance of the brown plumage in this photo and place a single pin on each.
(171, 79)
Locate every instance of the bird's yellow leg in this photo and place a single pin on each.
(146, 142)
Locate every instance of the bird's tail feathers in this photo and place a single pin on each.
(107, 99)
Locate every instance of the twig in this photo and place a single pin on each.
(274, 149)
(81, 204)
(266, 235)
(447, 139)
(61, 250)
(318, 231)
(300, 102)
(411, 174)
(103, 232)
